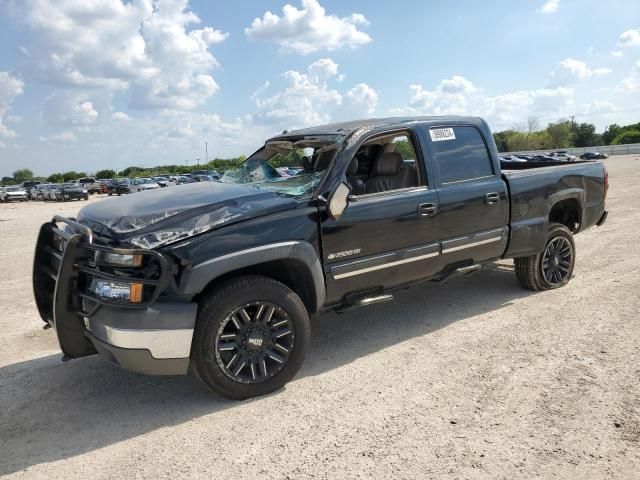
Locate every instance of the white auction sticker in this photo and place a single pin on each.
(441, 134)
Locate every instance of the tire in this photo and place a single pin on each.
(551, 268)
(264, 356)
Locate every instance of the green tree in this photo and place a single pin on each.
(611, 132)
(628, 136)
(55, 178)
(72, 175)
(559, 134)
(8, 181)
(584, 135)
(22, 175)
(106, 173)
(502, 140)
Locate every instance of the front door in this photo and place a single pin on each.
(386, 237)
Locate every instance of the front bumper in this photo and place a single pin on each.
(12, 198)
(156, 341)
(75, 195)
(149, 337)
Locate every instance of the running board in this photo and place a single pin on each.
(363, 302)
(459, 272)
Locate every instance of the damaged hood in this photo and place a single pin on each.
(153, 218)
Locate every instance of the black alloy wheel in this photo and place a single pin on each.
(251, 336)
(254, 342)
(557, 260)
(553, 266)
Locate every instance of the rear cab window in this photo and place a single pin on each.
(460, 154)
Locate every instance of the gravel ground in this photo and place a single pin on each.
(476, 378)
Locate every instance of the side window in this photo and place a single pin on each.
(384, 163)
(460, 154)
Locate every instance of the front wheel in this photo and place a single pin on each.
(251, 337)
(553, 267)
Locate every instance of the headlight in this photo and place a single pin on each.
(121, 260)
(84, 190)
(122, 291)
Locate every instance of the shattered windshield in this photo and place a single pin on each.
(292, 167)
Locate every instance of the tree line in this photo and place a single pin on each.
(218, 164)
(563, 134)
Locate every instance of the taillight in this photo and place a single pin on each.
(606, 182)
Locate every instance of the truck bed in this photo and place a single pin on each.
(536, 187)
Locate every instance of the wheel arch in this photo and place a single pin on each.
(567, 212)
(295, 264)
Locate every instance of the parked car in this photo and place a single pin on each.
(32, 192)
(543, 158)
(90, 184)
(40, 192)
(53, 192)
(525, 157)
(164, 181)
(13, 193)
(511, 158)
(202, 178)
(104, 184)
(593, 156)
(30, 186)
(222, 278)
(72, 191)
(143, 183)
(563, 156)
(210, 173)
(118, 186)
(181, 179)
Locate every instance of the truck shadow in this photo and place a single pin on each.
(51, 410)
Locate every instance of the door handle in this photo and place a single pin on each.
(427, 209)
(491, 198)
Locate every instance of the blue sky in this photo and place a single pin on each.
(91, 84)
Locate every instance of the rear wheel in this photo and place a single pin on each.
(553, 267)
(251, 337)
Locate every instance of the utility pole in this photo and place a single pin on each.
(206, 152)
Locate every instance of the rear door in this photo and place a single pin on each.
(473, 199)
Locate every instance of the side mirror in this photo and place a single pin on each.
(338, 201)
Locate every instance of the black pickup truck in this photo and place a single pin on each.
(221, 278)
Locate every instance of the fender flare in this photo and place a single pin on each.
(199, 276)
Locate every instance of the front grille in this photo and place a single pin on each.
(67, 260)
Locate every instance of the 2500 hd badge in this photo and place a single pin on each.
(221, 278)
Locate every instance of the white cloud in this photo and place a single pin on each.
(507, 109)
(448, 98)
(10, 88)
(632, 82)
(630, 38)
(308, 99)
(64, 137)
(550, 6)
(305, 100)
(72, 109)
(309, 29)
(120, 117)
(459, 96)
(362, 95)
(616, 53)
(571, 69)
(108, 44)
